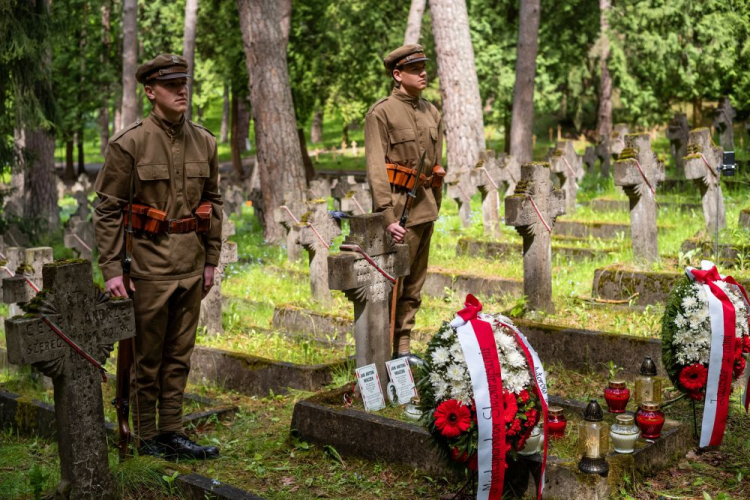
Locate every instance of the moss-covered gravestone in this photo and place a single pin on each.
(288, 215)
(568, 167)
(79, 236)
(75, 306)
(532, 210)
(510, 172)
(211, 305)
(486, 176)
(362, 279)
(677, 133)
(638, 171)
(723, 119)
(351, 196)
(461, 189)
(702, 165)
(320, 189)
(316, 232)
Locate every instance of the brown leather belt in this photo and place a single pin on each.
(404, 177)
(151, 221)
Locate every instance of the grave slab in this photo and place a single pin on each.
(323, 328)
(611, 205)
(584, 229)
(493, 249)
(439, 281)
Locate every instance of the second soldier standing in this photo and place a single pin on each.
(398, 130)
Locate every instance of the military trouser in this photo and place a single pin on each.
(410, 290)
(166, 318)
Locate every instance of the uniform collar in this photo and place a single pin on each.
(405, 98)
(170, 128)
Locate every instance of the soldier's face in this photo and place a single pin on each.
(412, 76)
(170, 96)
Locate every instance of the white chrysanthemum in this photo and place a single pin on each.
(435, 378)
(441, 389)
(441, 356)
(688, 302)
(455, 372)
(457, 353)
(447, 333)
(504, 342)
(514, 359)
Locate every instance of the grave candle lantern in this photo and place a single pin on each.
(556, 422)
(624, 434)
(647, 386)
(650, 419)
(617, 396)
(593, 440)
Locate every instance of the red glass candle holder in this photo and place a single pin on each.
(556, 422)
(650, 420)
(617, 396)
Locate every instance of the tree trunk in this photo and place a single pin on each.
(81, 156)
(243, 121)
(40, 182)
(697, 113)
(117, 114)
(523, 91)
(309, 168)
(129, 61)
(188, 47)
(70, 173)
(14, 204)
(238, 173)
(459, 87)
(225, 111)
(316, 129)
(103, 119)
(103, 126)
(604, 126)
(414, 24)
(282, 173)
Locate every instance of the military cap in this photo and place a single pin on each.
(406, 54)
(162, 67)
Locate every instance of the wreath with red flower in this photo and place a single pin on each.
(447, 403)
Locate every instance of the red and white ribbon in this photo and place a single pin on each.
(479, 348)
(538, 213)
(721, 357)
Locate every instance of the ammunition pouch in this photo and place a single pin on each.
(438, 174)
(405, 177)
(151, 221)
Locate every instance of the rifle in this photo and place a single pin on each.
(411, 195)
(126, 347)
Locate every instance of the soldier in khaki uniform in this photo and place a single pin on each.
(173, 167)
(398, 129)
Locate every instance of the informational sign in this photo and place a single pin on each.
(369, 387)
(400, 374)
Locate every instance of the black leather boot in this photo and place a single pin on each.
(179, 446)
(152, 448)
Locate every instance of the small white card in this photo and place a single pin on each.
(400, 374)
(369, 387)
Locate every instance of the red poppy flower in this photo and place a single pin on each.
(524, 396)
(739, 367)
(452, 418)
(693, 378)
(510, 405)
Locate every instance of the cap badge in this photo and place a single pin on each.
(175, 60)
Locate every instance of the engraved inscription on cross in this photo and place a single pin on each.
(315, 233)
(75, 305)
(568, 167)
(702, 165)
(79, 236)
(486, 176)
(288, 215)
(532, 210)
(368, 288)
(638, 171)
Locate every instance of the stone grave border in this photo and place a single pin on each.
(375, 437)
(613, 205)
(586, 229)
(487, 249)
(729, 254)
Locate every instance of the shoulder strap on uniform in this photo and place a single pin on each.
(197, 125)
(381, 101)
(127, 129)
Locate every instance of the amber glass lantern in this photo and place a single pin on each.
(593, 440)
(647, 386)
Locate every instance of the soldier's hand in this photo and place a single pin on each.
(208, 279)
(116, 287)
(397, 232)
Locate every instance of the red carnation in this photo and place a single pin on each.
(739, 367)
(452, 418)
(694, 377)
(746, 344)
(532, 417)
(514, 428)
(510, 405)
(696, 396)
(457, 456)
(524, 396)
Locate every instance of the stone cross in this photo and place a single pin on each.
(27, 262)
(568, 167)
(461, 189)
(702, 164)
(289, 216)
(723, 119)
(316, 232)
(211, 305)
(320, 189)
(617, 139)
(677, 133)
(510, 172)
(75, 305)
(637, 171)
(369, 289)
(358, 200)
(233, 199)
(354, 148)
(603, 154)
(532, 210)
(83, 209)
(79, 235)
(486, 176)
(343, 147)
(589, 158)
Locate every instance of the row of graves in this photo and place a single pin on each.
(481, 409)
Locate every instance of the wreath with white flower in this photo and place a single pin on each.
(686, 336)
(447, 399)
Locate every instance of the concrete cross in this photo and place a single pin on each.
(316, 232)
(83, 210)
(75, 305)
(233, 199)
(354, 148)
(568, 167)
(320, 189)
(510, 172)
(723, 119)
(461, 189)
(368, 288)
(532, 210)
(28, 263)
(702, 165)
(601, 152)
(211, 305)
(79, 236)
(288, 215)
(677, 133)
(486, 176)
(638, 171)
(617, 139)
(351, 196)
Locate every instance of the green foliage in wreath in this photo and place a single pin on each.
(668, 329)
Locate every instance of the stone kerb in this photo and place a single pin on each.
(532, 210)
(702, 166)
(316, 231)
(677, 133)
(487, 177)
(723, 118)
(568, 167)
(638, 171)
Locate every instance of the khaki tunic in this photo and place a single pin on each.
(176, 166)
(398, 129)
